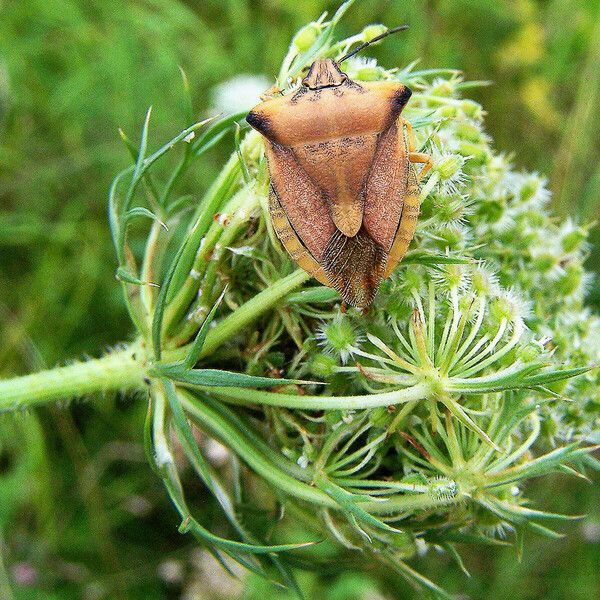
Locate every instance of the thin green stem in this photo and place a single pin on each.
(217, 194)
(249, 396)
(119, 370)
(246, 313)
(127, 368)
(399, 418)
(265, 467)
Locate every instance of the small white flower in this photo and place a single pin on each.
(591, 531)
(302, 461)
(171, 570)
(421, 546)
(239, 93)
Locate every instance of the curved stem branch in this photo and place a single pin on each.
(245, 314)
(247, 396)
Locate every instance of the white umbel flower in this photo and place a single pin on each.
(239, 93)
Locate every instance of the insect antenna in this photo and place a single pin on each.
(375, 39)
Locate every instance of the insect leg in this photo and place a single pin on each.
(410, 134)
(413, 156)
(424, 159)
(273, 91)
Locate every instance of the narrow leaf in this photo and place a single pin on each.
(349, 502)
(238, 149)
(220, 378)
(140, 211)
(124, 275)
(196, 347)
(161, 302)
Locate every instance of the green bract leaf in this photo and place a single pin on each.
(219, 378)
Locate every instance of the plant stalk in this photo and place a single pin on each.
(127, 368)
(119, 370)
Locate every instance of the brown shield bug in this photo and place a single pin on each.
(344, 194)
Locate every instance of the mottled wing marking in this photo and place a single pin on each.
(303, 203)
(386, 187)
(291, 242)
(355, 266)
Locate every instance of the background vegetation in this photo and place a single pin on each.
(81, 515)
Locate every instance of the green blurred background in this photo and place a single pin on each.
(81, 514)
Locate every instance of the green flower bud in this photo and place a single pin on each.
(449, 166)
(466, 305)
(338, 337)
(468, 131)
(507, 306)
(573, 240)
(483, 281)
(443, 88)
(398, 308)
(451, 236)
(323, 366)
(535, 219)
(477, 153)
(368, 73)
(306, 37)
(448, 111)
(492, 211)
(472, 109)
(528, 239)
(569, 283)
(544, 262)
(529, 353)
(370, 32)
(412, 280)
(454, 276)
(449, 208)
(530, 188)
(500, 309)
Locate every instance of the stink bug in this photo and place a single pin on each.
(344, 194)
